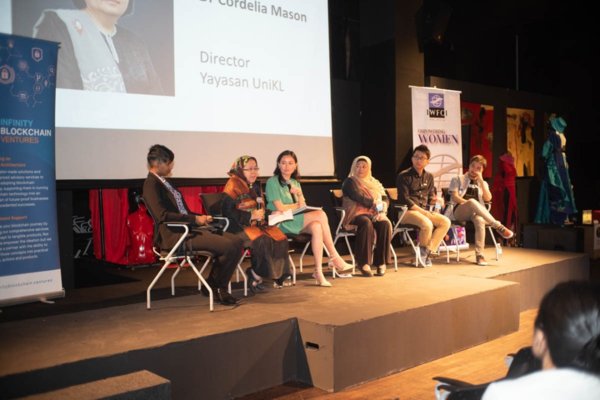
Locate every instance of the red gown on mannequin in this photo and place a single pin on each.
(141, 234)
(504, 193)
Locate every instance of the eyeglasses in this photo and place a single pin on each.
(420, 158)
(251, 169)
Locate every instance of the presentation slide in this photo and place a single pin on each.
(211, 79)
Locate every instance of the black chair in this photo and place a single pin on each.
(521, 363)
(340, 232)
(180, 256)
(212, 205)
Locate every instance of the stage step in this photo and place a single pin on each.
(141, 385)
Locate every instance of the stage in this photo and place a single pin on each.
(333, 338)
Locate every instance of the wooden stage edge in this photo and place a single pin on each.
(333, 338)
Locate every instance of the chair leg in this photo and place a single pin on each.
(293, 269)
(351, 254)
(454, 233)
(395, 257)
(201, 279)
(179, 266)
(447, 252)
(156, 278)
(244, 277)
(302, 254)
(416, 250)
(239, 270)
(497, 245)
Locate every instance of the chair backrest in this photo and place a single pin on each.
(212, 203)
(336, 197)
(392, 194)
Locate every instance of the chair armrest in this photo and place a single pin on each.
(342, 212)
(223, 219)
(452, 382)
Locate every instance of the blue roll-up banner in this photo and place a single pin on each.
(29, 259)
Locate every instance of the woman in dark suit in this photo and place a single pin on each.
(166, 204)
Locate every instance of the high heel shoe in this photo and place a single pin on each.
(344, 267)
(322, 281)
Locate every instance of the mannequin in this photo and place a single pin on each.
(504, 207)
(556, 204)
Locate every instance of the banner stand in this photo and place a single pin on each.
(29, 257)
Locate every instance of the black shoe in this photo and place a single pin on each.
(281, 281)
(254, 285)
(366, 271)
(223, 297)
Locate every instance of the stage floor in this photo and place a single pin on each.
(407, 317)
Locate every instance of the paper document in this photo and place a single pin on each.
(304, 209)
(275, 219)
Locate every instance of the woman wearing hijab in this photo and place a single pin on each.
(366, 203)
(244, 207)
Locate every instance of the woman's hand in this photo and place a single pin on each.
(203, 219)
(297, 192)
(258, 215)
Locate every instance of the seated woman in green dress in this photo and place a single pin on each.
(285, 193)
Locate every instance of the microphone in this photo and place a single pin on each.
(289, 185)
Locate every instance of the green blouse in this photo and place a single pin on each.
(276, 191)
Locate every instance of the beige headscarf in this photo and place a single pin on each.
(373, 185)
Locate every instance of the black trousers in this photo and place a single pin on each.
(366, 232)
(227, 249)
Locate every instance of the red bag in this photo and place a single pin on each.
(141, 233)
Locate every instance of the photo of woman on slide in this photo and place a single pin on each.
(97, 53)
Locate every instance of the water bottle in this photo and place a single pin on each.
(437, 207)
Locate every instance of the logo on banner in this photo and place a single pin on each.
(436, 105)
(37, 54)
(7, 75)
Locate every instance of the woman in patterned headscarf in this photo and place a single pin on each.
(244, 206)
(366, 203)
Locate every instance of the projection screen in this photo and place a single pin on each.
(211, 79)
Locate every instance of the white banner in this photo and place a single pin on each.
(436, 124)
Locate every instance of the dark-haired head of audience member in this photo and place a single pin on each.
(285, 157)
(567, 327)
(159, 154)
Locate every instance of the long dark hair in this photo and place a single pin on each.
(569, 316)
(277, 172)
